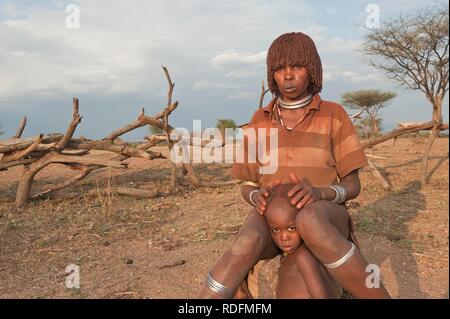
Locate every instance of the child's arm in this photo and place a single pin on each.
(308, 265)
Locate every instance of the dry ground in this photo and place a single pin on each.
(163, 247)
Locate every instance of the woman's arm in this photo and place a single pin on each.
(351, 183)
(246, 190)
(258, 196)
(303, 193)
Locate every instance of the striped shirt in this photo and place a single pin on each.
(322, 148)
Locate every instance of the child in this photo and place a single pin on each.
(300, 275)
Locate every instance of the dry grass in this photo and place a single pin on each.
(163, 247)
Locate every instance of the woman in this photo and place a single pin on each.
(318, 150)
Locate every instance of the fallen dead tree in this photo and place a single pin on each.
(404, 130)
(38, 152)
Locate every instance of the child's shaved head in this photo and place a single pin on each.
(280, 215)
(279, 201)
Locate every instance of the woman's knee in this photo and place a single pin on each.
(249, 243)
(310, 223)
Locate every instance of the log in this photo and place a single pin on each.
(22, 153)
(107, 145)
(27, 161)
(13, 144)
(23, 190)
(135, 192)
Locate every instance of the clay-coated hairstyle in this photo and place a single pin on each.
(294, 49)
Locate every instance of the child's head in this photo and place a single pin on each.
(280, 216)
(294, 49)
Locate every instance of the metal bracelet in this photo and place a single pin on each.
(343, 259)
(250, 196)
(218, 288)
(341, 194)
(254, 184)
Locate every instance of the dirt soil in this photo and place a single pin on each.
(163, 247)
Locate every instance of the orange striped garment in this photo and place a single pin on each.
(322, 148)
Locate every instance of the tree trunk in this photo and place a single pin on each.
(437, 118)
(24, 188)
(374, 126)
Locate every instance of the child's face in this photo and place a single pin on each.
(281, 219)
(292, 81)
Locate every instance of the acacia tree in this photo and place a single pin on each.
(413, 51)
(364, 127)
(222, 124)
(371, 101)
(155, 130)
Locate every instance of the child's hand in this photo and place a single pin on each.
(303, 193)
(260, 198)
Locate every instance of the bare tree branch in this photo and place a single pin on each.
(263, 93)
(401, 131)
(84, 172)
(22, 124)
(76, 118)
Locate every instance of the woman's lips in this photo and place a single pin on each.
(290, 89)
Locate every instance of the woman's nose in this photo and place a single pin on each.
(288, 73)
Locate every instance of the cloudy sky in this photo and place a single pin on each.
(215, 52)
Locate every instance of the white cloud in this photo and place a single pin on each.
(233, 57)
(329, 10)
(239, 74)
(363, 74)
(205, 85)
(242, 95)
(339, 44)
(120, 47)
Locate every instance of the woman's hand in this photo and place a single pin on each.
(303, 193)
(260, 198)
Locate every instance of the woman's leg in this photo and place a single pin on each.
(324, 227)
(252, 243)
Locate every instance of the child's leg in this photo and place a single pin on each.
(252, 243)
(324, 227)
(319, 283)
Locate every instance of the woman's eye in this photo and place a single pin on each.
(292, 228)
(275, 230)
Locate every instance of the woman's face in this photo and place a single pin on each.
(292, 81)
